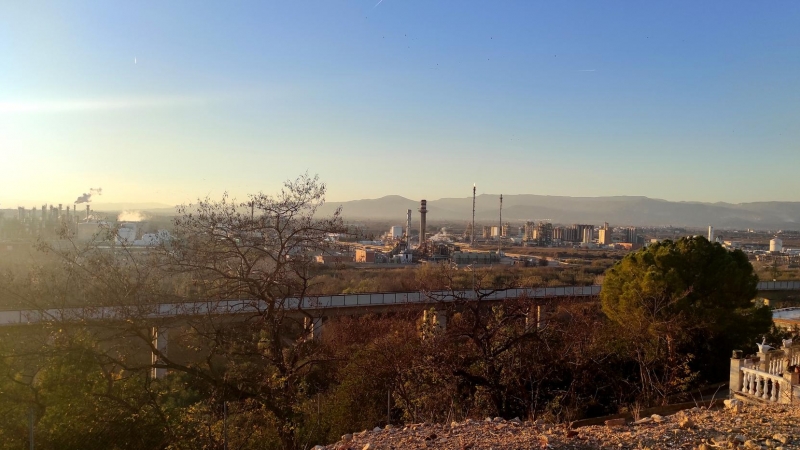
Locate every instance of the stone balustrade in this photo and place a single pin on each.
(773, 375)
(768, 387)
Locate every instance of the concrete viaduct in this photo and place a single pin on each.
(315, 306)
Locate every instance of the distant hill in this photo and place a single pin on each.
(640, 211)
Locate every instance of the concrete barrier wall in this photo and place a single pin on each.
(311, 303)
(779, 285)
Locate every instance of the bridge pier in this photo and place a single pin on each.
(160, 342)
(313, 327)
(434, 321)
(535, 318)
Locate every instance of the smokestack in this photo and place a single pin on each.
(500, 230)
(423, 210)
(472, 241)
(87, 212)
(408, 230)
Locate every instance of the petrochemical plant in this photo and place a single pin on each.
(475, 243)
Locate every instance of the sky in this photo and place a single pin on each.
(171, 101)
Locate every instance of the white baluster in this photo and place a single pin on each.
(776, 386)
(752, 390)
(756, 386)
(763, 387)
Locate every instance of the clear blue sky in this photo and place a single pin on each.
(171, 100)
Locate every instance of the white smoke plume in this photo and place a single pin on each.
(130, 216)
(87, 197)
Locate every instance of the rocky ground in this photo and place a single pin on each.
(735, 426)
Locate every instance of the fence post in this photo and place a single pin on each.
(735, 383)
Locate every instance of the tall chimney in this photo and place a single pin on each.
(87, 212)
(408, 230)
(500, 230)
(423, 210)
(472, 238)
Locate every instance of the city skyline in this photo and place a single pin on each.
(681, 102)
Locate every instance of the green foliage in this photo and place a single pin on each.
(680, 307)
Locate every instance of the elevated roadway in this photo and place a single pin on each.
(313, 305)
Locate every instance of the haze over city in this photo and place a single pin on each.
(168, 102)
(399, 224)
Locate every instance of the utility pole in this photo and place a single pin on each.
(472, 240)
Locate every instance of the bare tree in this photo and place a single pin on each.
(482, 335)
(236, 278)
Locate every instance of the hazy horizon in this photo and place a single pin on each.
(143, 205)
(168, 102)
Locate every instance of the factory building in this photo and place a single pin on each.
(126, 234)
(505, 232)
(529, 230)
(370, 256)
(474, 257)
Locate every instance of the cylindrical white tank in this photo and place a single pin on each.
(396, 232)
(776, 245)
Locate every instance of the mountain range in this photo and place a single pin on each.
(622, 210)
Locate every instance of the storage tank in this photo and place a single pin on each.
(776, 245)
(396, 232)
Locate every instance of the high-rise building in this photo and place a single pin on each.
(544, 233)
(630, 236)
(604, 236)
(710, 233)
